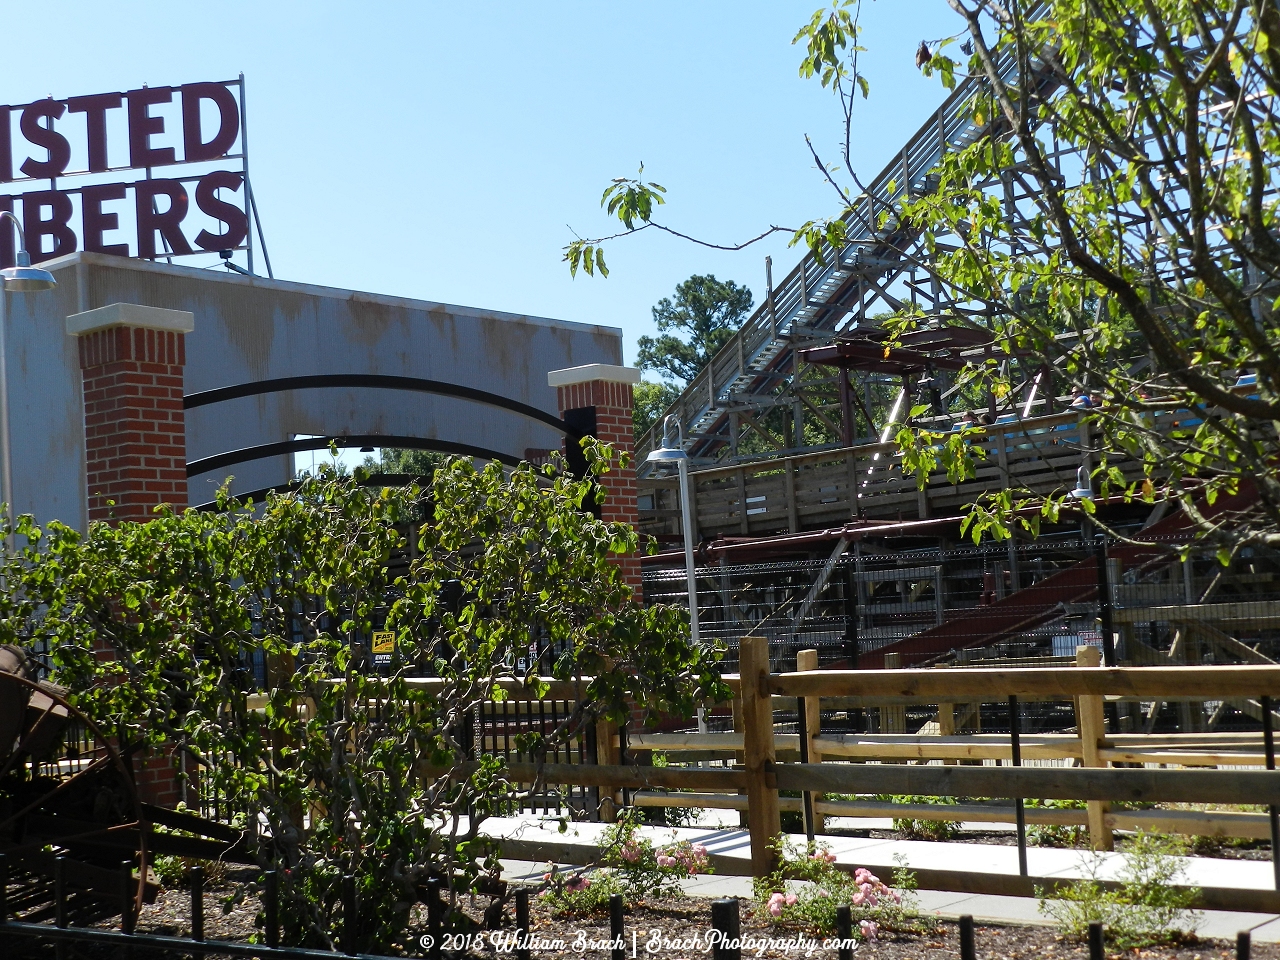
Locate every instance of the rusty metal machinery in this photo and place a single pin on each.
(70, 811)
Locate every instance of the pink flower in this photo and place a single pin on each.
(576, 883)
(791, 899)
(666, 861)
(823, 893)
(869, 929)
(871, 899)
(776, 903)
(699, 850)
(858, 898)
(897, 897)
(824, 856)
(631, 851)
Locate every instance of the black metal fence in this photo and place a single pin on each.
(126, 941)
(865, 600)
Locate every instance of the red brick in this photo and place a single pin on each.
(134, 422)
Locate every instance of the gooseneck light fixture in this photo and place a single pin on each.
(672, 453)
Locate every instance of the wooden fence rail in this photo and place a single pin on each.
(762, 760)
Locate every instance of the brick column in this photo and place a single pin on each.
(131, 362)
(132, 359)
(596, 399)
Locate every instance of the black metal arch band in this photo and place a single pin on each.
(263, 450)
(376, 381)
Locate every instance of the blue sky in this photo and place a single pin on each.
(442, 151)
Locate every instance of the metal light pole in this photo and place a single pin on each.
(22, 278)
(672, 451)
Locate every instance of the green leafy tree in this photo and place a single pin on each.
(344, 768)
(651, 401)
(692, 326)
(1113, 222)
(1154, 256)
(411, 463)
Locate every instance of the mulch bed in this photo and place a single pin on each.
(675, 930)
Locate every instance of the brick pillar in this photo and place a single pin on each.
(596, 399)
(131, 360)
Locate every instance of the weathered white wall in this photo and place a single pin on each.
(249, 329)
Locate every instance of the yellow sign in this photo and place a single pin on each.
(384, 642)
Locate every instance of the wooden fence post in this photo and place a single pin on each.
(739, 757)
(1091, 723)
(893, 719)
(607, 754)
(763, 818)
(808, 660)
(947, 725)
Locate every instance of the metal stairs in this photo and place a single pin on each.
(812, 302)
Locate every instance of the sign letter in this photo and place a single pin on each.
(168, 222)
(97, 221)
(194, 146)
(207, 200)
(42, 136)
(142, 126)
(95, 110)
(36, 228)
(6, 147)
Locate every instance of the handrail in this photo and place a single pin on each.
(888, 447)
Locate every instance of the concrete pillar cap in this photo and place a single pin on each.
(590, 372)
(130, 315)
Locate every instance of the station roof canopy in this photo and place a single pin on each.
(936, 348)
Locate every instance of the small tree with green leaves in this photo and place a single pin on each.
(1112, 224)
(343, 769)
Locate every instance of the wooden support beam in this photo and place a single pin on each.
(608, 754)
(630, 777)
(808, 660)
(929, 686)
(1256, 613)
(762, 788)
(947, 719)
(893, 719)
(1049, 783)
(1091, 722)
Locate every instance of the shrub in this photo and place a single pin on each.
(811, 907)
(642, 870)
(1057, 835)
(912, 829)
(176, 871)
(1146, 908)
(187, 602)
(579, 895)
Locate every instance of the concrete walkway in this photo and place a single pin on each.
(532, 842)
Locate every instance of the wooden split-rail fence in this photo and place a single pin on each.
(1100, 767)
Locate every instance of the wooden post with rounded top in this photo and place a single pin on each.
(763, 817)
(1091, 723)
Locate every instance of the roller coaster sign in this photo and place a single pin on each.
(83, 173)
